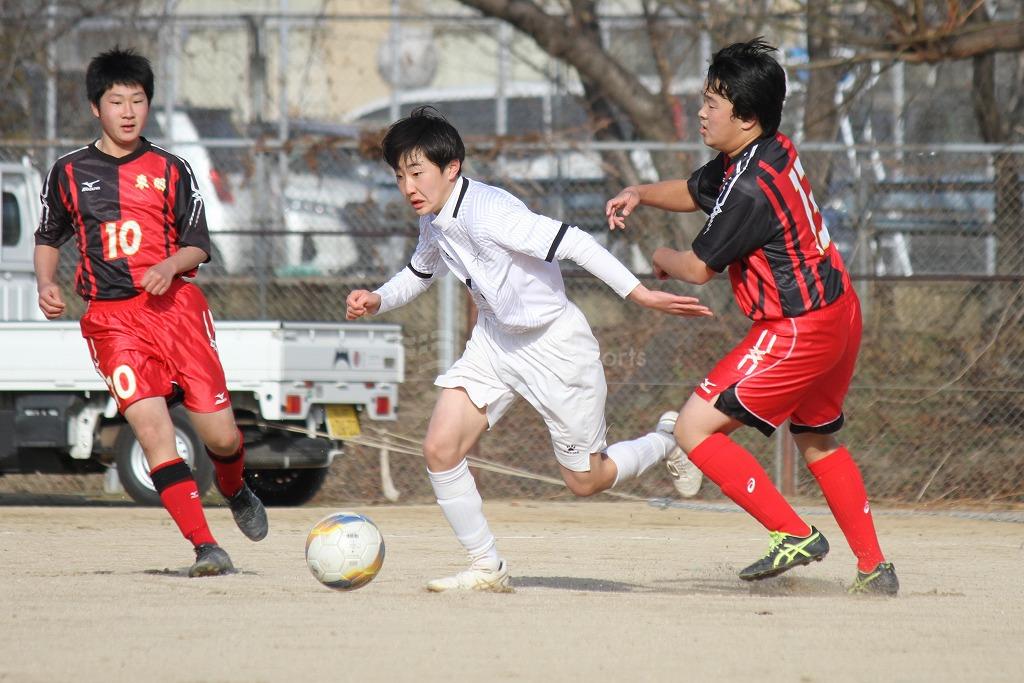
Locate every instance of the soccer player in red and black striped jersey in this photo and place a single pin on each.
(796, 362)
(137, 218)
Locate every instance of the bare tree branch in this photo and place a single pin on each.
(555, 35)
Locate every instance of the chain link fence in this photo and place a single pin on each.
(936, 411)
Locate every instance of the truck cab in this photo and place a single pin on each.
(19, 214)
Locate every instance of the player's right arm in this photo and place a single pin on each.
(51, 303)
(424, 268)
(53, 231)
(670, 195)
(700, 191)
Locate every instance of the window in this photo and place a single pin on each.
(10, 226)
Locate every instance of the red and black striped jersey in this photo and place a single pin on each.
(764, 226)
(126, 215)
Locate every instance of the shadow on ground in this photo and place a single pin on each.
(779, 587)
(61, 500)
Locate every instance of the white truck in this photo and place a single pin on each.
(291, 383)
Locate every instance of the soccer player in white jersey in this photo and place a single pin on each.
(529, 338)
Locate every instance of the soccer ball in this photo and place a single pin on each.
(344, 551)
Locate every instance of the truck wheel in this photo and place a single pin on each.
(133, 470)
(286, 487)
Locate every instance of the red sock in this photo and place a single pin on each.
(229, 469)
(742, 478)
(840, 481)
(173, 481)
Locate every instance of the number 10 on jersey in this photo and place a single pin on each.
(121, 240)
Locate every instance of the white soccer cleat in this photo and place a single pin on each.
(495, 581)
(686, 476)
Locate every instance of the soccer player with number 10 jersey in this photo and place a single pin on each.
(136, 215)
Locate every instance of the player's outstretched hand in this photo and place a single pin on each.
(361, 302)
(620, 206)
(51, 303)
(672, 304)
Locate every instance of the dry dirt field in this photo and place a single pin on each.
(605, 591)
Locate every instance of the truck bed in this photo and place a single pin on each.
(40, 356)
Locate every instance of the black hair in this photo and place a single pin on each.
(424, 129)
(117, 67)
(749, 77)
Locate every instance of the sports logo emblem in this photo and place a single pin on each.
(756, 353)
(91, 186)
(751, 485)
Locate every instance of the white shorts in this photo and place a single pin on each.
(556, 368)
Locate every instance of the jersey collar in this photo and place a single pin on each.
(450, 211)
(144, 146)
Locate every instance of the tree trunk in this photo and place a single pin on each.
(821, 116)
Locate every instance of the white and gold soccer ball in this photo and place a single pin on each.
(344, 551)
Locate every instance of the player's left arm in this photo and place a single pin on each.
(158, 278)
(193, 235)
(189, 213)
(680, 265)
(736, 227)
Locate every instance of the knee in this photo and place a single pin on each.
(438, 455)
(224, 444)
(687, 436)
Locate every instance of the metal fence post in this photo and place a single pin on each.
(785, 457)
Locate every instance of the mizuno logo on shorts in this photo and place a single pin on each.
(757, 352)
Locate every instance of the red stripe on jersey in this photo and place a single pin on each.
(792, 243)
(807, 198)
(86, 278)
(169, 232)
(748, 278)
(796, 190)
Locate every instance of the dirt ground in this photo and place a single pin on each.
(605, 591)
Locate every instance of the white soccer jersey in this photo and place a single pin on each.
(505, 254)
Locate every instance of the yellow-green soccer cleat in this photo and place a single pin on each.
(495, 581)
(785, 552)
(879, 581)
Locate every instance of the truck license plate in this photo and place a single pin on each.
(342, 421)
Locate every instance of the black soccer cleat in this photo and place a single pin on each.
(786, 552)
(211, 560)
(879, 581)
(249, 513)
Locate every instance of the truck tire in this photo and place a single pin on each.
(133, 470)
(286, 487)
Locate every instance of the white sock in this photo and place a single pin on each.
(633, 458)
(464, 509)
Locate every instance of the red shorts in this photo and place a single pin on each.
(145, 345)
(796, 368)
